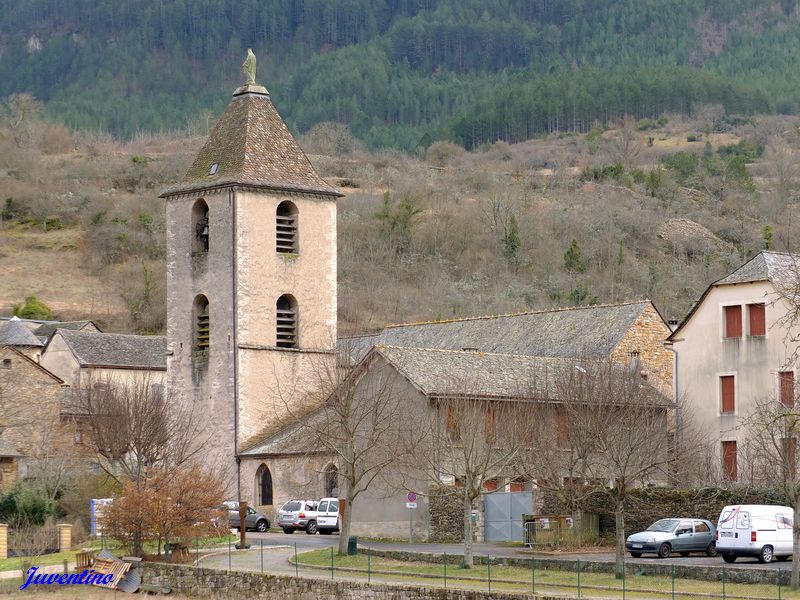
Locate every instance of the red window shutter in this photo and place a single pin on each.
(516, 486)
(790, 455)
(562, 436)
(758, 322)
(733, 321)
(729, 460)
(490, 485)
(786, 384)
(727, 385)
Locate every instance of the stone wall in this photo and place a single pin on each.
(447, 516)
(207, 583)
(647, 336)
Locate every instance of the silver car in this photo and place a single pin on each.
(254, 520)
(666, 536)
(298, 514)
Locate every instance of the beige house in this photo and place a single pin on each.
(734, 349)
(83, 358)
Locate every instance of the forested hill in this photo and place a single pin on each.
(396, 70)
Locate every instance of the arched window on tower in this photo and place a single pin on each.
(202, 323)
(264, 486)
(331, 480)
(286, 228)
(200, 226)
(286, 313)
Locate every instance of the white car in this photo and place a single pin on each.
(298, 514)
(328, 516)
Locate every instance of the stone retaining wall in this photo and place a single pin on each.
(733, 574)
(192, 581)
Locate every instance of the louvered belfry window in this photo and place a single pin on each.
(203, 323)
(286, 228)
(286, 312)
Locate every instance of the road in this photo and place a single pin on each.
(282, 545)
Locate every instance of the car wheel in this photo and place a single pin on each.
(324, 531)
(664, 550)
(729, 558)
(311, 528)
(288, 530)
(711, 550)
(262, 526)
(766, 555)
(684, 554)
(636, 554)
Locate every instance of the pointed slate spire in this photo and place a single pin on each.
(251, 145)
(14, 333)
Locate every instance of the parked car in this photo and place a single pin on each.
(298, 514)
(681, 535)
(328, 516)
(253, 521)
(758, 530)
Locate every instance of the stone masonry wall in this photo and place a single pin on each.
(647, 337)
(210, 583)
(447, 517)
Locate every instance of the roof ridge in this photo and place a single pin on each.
(517, 314)
(474, 352)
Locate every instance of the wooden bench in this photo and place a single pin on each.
(116, 568)
(152, 588)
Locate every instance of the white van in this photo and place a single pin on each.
(328, 516)
(756, 530)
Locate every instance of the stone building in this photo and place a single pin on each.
(251, 279)
(736, 347)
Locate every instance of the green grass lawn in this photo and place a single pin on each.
(520, 579)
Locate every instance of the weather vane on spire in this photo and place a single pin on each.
(249, 68)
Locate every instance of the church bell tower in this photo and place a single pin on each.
(251, 277)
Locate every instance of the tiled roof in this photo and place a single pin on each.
(778, 267)
(117, 350)
(587, 331)
(46, 330)
(440, 373)
(298, 437)
(14, 333)
(251, 145)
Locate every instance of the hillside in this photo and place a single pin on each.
(646, 209)
(401, 73)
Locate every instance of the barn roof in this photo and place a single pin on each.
(93, 349)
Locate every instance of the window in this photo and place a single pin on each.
(729, 460)
(202, 323)
(286, 309)
(733, 321)
(701, 527)
(200, 223)
(78, 438)
(453, 427)
(331, 478)
(562, 434)
(785, 521)
(786, 387)
(727, 393)
(6, 363)
(286, 228)
(516, 486)
(758, 322)
(264, 485)
(491, 485)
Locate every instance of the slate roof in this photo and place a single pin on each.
(587, 331)
(778, 267)
(298, 437)
(46, 330)
(14, 333)
(93, 349)
(251, 145)
(782, 269)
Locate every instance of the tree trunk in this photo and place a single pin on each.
(619, 566)
(577, 524)
(344, 525)
(467, 529)
(796, 540)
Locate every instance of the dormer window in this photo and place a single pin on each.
(201, 226)
(286, 313)
(286, 228)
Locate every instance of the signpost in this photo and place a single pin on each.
(411, 504)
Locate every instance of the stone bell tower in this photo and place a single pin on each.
(251, 277)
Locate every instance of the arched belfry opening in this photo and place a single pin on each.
(263, 486)
(286, 221)
(330, 477)
(200, 227)
(286, 312)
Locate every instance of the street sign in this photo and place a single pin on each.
(411, 505)
(411, 496)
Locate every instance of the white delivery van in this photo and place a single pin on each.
(758, 530)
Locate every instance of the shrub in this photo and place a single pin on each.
(32, 308)
(684, 164)
(441, 153)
